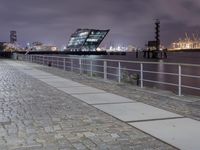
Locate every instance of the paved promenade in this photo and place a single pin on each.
(46, 108)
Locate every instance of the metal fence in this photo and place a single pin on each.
(125, 71)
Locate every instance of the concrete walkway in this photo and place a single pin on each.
(172, 128)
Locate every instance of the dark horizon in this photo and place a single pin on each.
(130, 22)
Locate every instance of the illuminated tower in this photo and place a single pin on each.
(157, 37)
(13, 36)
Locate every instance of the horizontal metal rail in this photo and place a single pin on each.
(159, 82)
(165, 73)
(125, 61)
(126, 69)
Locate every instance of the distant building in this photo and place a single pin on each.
(2, 46)
(86, 40)
(39, 46)
(128, 48)
(11, 47)
(13, 37)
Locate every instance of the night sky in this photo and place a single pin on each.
(130, 21)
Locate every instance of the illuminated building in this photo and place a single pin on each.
(129, 48)
(38, 46)
(11, 47)
(2, 46)
(86, 40)
(187, 43)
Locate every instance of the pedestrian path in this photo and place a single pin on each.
(174, 129)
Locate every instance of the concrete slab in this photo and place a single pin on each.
(135, 111)
(101, 98)
(39, 74)
(81, 90)
(57, 80)
(46, 77)
(64, 84)
(53, 79)
(14, 63)
(36, 73)
(183, 133)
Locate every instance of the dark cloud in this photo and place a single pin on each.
(191, 6)
(130, 21)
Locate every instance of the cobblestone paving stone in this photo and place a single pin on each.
(35, 116)
(188, 106)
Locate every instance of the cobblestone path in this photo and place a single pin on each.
(36, 116)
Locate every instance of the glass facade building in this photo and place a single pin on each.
(86, 39)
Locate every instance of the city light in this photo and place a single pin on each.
(187, 43)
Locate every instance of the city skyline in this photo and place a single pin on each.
(130, 22)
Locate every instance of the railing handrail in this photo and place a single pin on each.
(125, 61)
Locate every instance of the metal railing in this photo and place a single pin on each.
(117, 69)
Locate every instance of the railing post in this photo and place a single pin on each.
(57, 62)
(53, 61)
(43, 60)
(105, 69)
(179, 80)
(71, 65)
(80, 66)
(64, 63)
(119, 72)
(141, 75)
(91, 67)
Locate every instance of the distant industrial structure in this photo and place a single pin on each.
(154, 48)
(187, 43)
(155, 45)
(86, 40)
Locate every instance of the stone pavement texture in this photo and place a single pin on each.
(37, 116)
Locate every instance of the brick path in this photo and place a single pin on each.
(36, 116)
